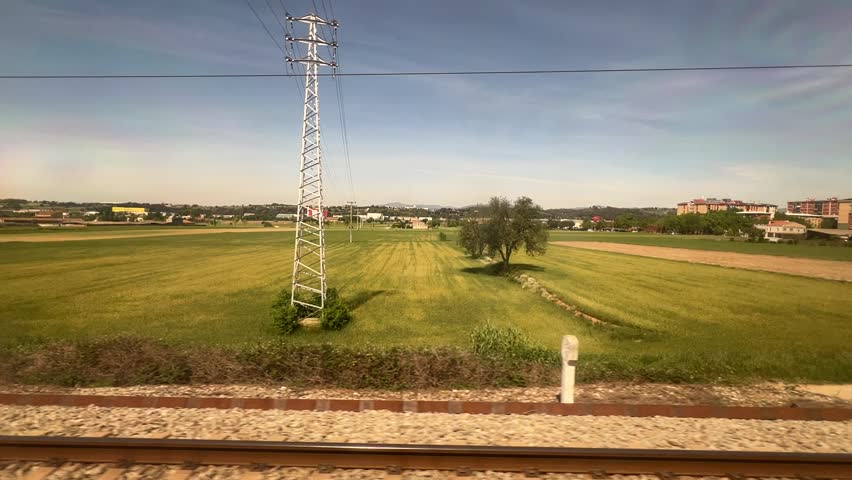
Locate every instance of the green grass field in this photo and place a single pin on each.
(680, 321)
(805, 249)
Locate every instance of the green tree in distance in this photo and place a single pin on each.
(512, 226)
(471, 238)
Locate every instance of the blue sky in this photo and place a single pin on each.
(626, 139)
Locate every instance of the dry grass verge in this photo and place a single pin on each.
(126, 360)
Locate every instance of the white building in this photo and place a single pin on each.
(784, 230)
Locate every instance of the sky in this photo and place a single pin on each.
(621, 139)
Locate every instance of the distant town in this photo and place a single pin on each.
(808, 218)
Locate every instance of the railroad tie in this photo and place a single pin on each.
(112, 473)
(320, 474)
(180, 474)
(39, 473)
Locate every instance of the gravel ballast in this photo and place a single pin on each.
(430, 428)
(762, 395)
(138, 472)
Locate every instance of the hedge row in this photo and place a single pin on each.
(128, 360)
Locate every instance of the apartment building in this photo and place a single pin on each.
(844, 214)
(830, 207)
(705, 205)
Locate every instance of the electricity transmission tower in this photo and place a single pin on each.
(309, 257)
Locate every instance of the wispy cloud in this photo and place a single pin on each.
(214, 40)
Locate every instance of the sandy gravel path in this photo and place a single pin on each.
(805, 267)
(68, 237)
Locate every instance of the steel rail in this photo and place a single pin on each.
(425, 457)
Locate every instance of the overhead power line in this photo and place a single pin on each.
(275, 15)
(344, 130)
(187, 76)
(439, 73)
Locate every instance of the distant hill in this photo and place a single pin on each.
(407, 205)
(608, 212)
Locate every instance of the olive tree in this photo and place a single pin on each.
(512, 226)
(471, 238)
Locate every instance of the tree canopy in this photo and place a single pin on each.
(471, 238)
(507, 228)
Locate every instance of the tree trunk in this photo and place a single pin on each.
(506, 259)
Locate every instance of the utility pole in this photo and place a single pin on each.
(309, 274)
(350, 220)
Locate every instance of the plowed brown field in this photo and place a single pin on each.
(793, 266)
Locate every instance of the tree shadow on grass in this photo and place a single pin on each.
(363, 297)
(496, 269)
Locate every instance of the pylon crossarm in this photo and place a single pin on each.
(318, 61)
(312, 18)
(319, 40)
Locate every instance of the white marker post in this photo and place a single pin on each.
(570, 347)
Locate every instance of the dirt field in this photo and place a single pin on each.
(74, 236)
(794, 266)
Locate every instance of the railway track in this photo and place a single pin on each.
(398, 458)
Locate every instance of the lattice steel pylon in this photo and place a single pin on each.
(309, 275)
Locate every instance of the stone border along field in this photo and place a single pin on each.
(72, 237)
(827, 269)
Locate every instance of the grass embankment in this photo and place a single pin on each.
(681, 322)
(818, 249)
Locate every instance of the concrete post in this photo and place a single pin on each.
(570, 347)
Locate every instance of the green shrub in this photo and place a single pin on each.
(510, 344)
(336, 314)
(442, 237)
(285, 317)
